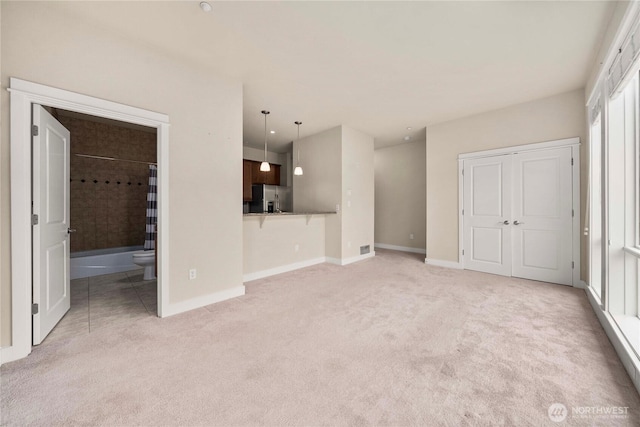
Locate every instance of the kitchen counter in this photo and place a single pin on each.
(287, 213)
(277, 242)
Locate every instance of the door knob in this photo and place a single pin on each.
(71, 230)
(506, 222)
(517, 223)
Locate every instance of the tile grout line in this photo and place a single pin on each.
(138, 295)
(89, 302)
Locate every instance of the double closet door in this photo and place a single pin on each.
(518, 215)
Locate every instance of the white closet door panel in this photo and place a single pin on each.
(487, 206)
(542, 215)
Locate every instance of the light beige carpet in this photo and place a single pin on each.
(387, 341)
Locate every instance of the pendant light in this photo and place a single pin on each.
(264, 166)
(298, 169)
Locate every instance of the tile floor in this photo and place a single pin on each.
(110, 299)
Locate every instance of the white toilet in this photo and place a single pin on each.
(146, 259)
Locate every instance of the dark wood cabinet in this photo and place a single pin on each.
(251, 174)
(246, 181)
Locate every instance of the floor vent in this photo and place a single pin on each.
(364, 249)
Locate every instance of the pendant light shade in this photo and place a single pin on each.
(264, 166)
(298, 169)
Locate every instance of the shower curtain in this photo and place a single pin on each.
(152, 209)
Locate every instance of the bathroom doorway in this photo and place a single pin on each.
(113, 167)
(23, 96)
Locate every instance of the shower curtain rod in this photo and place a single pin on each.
(113, 159)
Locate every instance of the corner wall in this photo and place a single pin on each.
(320, 188)
(43, 43)
(557, 117)
(358, 194)
(401, 190)
(338, 171)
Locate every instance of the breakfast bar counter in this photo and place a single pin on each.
(274, 243)
(287, 213)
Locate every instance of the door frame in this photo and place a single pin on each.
(574, 144)
(22, 95)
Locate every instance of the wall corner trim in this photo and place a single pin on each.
(443, 263)
(192, 304)
(401, 248)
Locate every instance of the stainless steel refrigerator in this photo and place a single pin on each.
(270, 198)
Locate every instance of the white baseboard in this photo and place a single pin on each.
(192, 304)
(345, 261)
(283, 269)
(400, 248)
(626, 354)
(443, 263)
(581, 285)
(9, 354)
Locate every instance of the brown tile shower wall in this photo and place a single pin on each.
(108, 198)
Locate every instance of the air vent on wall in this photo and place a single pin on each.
(364, 249)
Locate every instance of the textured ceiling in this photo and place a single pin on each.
(379, 67)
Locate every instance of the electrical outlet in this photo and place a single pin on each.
(337, 208)
(192, 274)
(349, 244)
(296, 248)
(348, 203)
(411, 236)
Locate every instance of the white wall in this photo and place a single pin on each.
(320, 188)
(43, 43)
(401, 190)
(280, 241)
(358, 207)
(556, 117)
(338, 171)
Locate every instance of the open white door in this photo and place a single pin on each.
(487, 215)
(51, 283)
(542, 216)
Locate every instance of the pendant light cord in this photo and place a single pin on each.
(298, 124)
(265, 112)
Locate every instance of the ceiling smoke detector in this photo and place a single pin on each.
(206, 7)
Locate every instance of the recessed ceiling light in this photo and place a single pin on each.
(409, 128)
(273, 131)
(407, 137)
(206, 7)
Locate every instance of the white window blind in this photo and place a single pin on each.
(594, 111)
(625, 65)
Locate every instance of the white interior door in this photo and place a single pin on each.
(542, 216)
(487, 215)
(51, 283)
